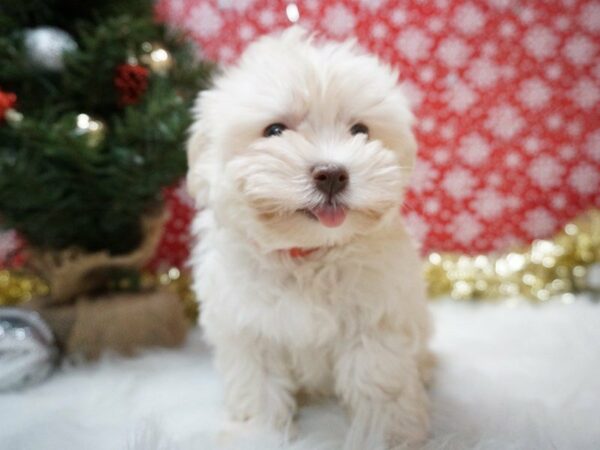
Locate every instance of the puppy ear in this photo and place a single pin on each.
(200, 161)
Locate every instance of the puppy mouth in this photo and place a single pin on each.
(328, 214)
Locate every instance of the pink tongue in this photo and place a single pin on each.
(329, 216)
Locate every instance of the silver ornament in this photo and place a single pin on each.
(28, 352)
(46, 47)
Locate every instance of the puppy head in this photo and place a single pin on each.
(302, 144)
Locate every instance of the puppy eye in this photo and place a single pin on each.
(275, 129)
(359, 128)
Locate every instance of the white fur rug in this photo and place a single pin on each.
(510, 377)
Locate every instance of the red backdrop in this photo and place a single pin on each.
(506, 93)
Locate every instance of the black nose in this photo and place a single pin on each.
(330, 179)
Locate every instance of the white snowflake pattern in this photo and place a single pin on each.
(431, 206)
(451, 78)
(532, 145)
(546, 172)
(414, 44)
(339, 20)
(528, 15)
(441, 156)
(488, 204)
(435, 25)
(539, 223)
(501, 4)
(246, 32)
(541, 42)
(489, 49)
(372, 4)
(585, 93)
(379, 31)
(562, 23)
(469, 18)
(504, 121)
(267, 18)
(558, 201)
(513, 160)
(417, 226)
(447, 131)
(554, 71)
(592, 145)
(427, 74)
(175, 9)
(423, 177)
(465, 228)
(495, 180)
(399, 17)
(312, 5)
(413, 93)
(508, 29)
(590, 16)
(554, 121)
(204, 21)
(238, 5)
(459, 97)
(454, 52)
(473, 149)
(567, 152)
(584, 179)
(458, 183)
(534, 93)
(579, 50)
(8, 243)
(427, 124)
(226, 54)
(483, 73)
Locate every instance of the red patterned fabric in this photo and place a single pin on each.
(506, 93)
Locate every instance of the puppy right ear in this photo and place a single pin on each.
(200, 164)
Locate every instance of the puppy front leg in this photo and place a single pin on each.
(378, 378)
(258, 387)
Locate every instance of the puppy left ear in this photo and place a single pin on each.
(200, 162)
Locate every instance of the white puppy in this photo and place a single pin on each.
(308, 281)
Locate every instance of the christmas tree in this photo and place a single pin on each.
(94, 108)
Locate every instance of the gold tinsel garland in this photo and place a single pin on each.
(566, 264)
(17, 287)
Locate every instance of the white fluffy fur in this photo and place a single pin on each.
(349, 319)
(511, 378)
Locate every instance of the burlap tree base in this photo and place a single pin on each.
(88, 320)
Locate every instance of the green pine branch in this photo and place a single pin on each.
(57, 189)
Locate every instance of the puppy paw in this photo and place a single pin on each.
(394, 424)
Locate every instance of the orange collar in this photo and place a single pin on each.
(298, 252)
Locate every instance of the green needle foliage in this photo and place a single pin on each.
(56, 188)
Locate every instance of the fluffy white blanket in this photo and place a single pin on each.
(511, 376)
